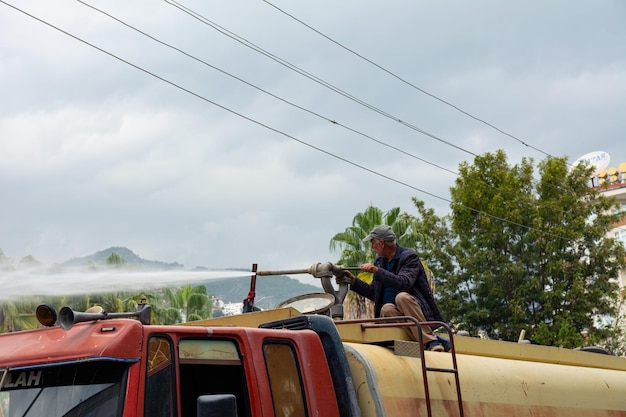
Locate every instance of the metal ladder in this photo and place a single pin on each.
(425, 369)
(410, 321)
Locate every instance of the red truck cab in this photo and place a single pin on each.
(123, 368)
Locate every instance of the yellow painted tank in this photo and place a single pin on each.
(496, 379)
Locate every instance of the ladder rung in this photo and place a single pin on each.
(452, 371)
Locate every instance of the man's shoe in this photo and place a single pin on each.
(434, 346)
(444, 342)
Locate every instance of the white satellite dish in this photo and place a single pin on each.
(599, 160)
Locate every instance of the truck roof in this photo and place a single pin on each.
(86, 340)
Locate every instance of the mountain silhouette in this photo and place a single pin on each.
(270, 290)
(130, 259)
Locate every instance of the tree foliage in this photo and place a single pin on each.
(191, 303)
(517, 253)
(168, 306)
(115, 259)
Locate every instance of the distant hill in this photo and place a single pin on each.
(270, 290)
(130, 258)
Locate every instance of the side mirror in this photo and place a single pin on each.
(217, 405)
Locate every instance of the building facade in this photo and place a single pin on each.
(612, 183)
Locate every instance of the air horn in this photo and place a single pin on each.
(67, 317)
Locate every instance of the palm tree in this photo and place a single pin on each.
(191, 303)
(112, 302)
(17, 316)
(355, 252)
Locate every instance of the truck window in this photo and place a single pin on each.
(160, 399)
(285, 382)
(211, 367)
(93, 388)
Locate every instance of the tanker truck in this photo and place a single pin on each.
(298, 360)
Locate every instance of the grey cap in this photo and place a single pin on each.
(381, 232)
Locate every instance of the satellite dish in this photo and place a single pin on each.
(599, 160)
(313, 303)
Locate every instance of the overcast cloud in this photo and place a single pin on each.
(200, 168)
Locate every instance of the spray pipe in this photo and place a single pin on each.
(324, 271)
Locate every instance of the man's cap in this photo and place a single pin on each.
(381, 232)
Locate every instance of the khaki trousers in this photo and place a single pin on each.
(407, 305)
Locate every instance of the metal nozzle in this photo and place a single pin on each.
(318, 270)
(324, 271)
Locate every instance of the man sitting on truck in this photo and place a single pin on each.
(399, 286)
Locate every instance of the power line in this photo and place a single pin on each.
(406, 81)
(320, 81)
(306, 74)
(345, 160)
(284, 100)
(319, 115)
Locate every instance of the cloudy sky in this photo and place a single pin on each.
(237, 132)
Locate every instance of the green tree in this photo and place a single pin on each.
(114, 259)
(17, 315)
(187, 304)
(355, 252)
(112, 302)
(29, 261)
(6, 263)
(9, 317)
(158, 312)
(526, 254)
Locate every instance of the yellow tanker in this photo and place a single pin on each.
(392, 377)
(495, 379)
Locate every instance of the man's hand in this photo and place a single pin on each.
(369, 268)
(349, 275)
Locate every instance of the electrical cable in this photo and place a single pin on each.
(406, 81)
(328, 119)
(284, 100)
(308, 75)
(320, 81)
(275, 130)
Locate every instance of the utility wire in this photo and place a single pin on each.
(406, 81)
(322, 82)
(516, 195)
(328, 119)
(171, 83)
(312, 77)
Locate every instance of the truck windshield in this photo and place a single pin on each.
(86, 389)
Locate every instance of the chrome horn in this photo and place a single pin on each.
(68, 317)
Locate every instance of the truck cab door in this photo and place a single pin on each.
(160, 386)
(212, 372)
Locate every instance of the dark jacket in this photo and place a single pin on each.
(407, 275)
